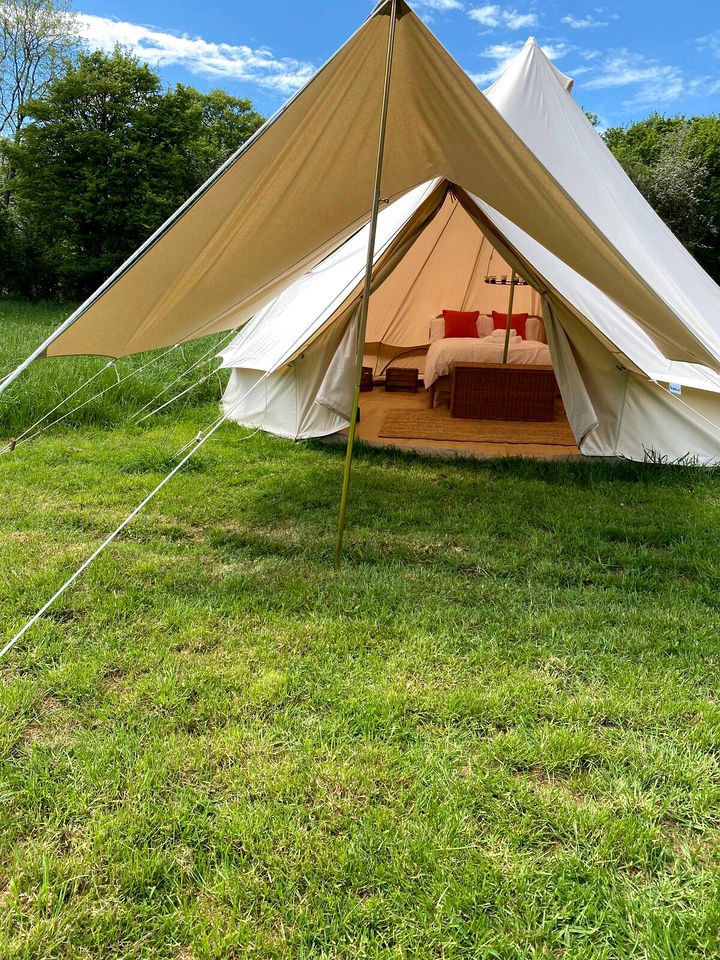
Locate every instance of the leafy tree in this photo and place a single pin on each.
(106, 157)
(675, 163)
(7, 252)
(226, 123)
(93, 169)
(676, 183)
(22, 271)
(35, 37)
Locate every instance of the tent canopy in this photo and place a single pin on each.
(302, 185)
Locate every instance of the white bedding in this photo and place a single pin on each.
(442, 353)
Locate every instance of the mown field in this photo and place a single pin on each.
(495, 733)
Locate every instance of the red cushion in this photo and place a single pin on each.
(517, 322)
(459, 323)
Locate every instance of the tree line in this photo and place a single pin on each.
(675, 163)
(95, 153)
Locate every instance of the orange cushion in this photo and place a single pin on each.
(517, 322)
(459, 323)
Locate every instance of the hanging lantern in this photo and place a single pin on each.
(503, 280)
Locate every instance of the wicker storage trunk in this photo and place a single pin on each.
(366, 379)
(496, 391)
(402, 378)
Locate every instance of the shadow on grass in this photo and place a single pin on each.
(578, 472)
(565, 525)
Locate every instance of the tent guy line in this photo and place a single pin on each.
(196, 445)
(178, 396)
(12, 444)
(208, 355)
(24, 438)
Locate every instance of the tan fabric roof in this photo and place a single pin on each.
(301, 183)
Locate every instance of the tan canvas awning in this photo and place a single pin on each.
(306, 179)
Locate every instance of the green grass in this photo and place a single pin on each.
(23, 328)
(494, 734)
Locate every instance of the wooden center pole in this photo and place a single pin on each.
(367, 289)
(509, 318)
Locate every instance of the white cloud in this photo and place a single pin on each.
(518, 21)
(426, 9)
(441, 6)
(657, 84)
(504, 53)
(622, 68)
(217, 60)
(488, 16)
(492, 15)
(556, 51)
(710, 42)
(589, 54)
(584, 23)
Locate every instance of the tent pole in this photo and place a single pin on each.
(508, 322)
(367, 289)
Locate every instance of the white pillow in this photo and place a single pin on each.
(437, 329)
(484, 325)
(532, 328)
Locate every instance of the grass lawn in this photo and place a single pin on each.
(494, 734)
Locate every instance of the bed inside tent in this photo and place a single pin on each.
(454, 267)
(423, 386)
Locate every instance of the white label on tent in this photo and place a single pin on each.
(675, 389)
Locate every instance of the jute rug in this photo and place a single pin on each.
(439, 425)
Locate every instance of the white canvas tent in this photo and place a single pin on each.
(618, 290)
(612, 377)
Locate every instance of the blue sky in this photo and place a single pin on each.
(628, 58)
